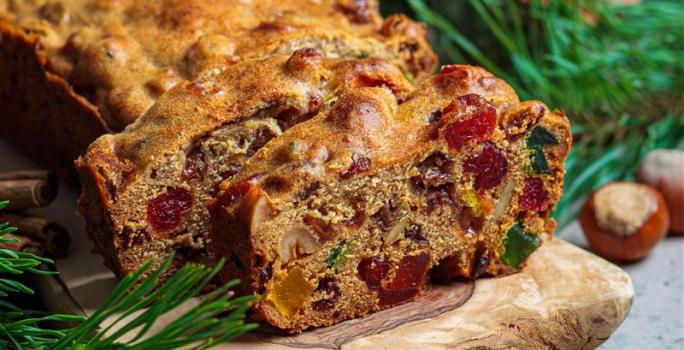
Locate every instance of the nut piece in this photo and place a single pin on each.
(664, 170)
(256, 208)
(624, 221)
(296, 241)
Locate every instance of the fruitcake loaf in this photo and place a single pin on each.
(144, 189)
(75, 69)
(356, 209)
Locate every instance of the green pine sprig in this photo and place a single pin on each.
(126, 319)
(616, 70)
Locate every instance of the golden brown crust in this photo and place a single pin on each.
(375, 160)
(110, 61)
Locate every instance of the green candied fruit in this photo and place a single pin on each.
(539, 163)
(540, 137)
(338, 255)
(518, 245)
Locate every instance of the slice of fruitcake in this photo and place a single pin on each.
(354, 210)
(145, 188)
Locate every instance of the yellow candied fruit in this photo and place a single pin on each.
(470, 198)
(289, 294)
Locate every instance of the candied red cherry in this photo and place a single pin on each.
(449, 74)
(195, 166)
(166, 211)
(489, 166)
(411, 275)
(373, 270)
(534, 196)
(476, 120)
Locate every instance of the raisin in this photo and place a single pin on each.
(360, 164)
(166, 211)
(434, 171)
(410, 276)
(327, 286)
(438, 196)
(415, 233)
(195, 166)
(130, 237)
(372, 271)
(355, 221)
(384, 217)
(261, 137)
(435, 116)
(489, 166)
(324, 230)
(476, 120)
(534, 196)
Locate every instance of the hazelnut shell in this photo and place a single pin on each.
(630, 247)
(664, 170)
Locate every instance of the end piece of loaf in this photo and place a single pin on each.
(75, 69)
(356, 209)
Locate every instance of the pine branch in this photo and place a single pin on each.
(126, 318)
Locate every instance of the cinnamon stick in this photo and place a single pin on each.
(22, 244)
(53, 237)
(28, 189)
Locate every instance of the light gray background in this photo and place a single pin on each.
(656, 320)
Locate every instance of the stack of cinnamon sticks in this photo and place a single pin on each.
(37, 235)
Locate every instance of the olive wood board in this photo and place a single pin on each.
(565, 298)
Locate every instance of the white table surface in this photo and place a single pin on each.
(655, 322)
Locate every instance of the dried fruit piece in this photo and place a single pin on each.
(384, 217)
(539, 163)
(540, 137)
(490, 166)
(355, 221)
(360, 164)
(325, 232)
(435, 170)
(534, 196)
(372, 271)
(290, 294)
(338, 255)
(438, 196)
(410, 276)
(328, 287)
(195, 167)
(166, 211)
(414, 233)
(518, 245)
(476, 120)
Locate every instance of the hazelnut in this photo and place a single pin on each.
(297, 241)
(664, 170)
(256, 208)
(623, 221)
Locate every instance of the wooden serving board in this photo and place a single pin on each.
(566, 298)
